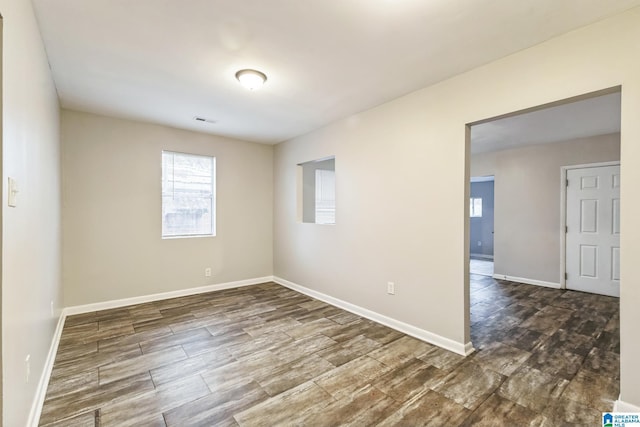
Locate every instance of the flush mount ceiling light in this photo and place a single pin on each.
(251, 79)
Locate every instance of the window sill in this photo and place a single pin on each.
(194, 236)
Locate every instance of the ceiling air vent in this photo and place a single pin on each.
(202, 119)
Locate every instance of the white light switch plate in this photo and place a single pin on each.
(12, 193)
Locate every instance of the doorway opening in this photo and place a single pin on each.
(526, 318)
(481, 208)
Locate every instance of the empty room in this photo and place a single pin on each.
(255, 213)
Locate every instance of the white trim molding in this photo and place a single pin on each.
(38, 401)
(621, 406)
(421, 334)
(43, 384)
(87, 308)
(528, 281)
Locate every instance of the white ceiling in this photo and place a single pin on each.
(580, 119)
(166, 61)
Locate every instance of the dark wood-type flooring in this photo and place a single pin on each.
(265, 356)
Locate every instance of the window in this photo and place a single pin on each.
(188, 195)
(317, 191)
(476, 207)
(325, 196)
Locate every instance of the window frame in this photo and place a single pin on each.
(214, 182)
(306, 189)
(318, 182)
(472, 211)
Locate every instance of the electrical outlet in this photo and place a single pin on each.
(52, 313)
(27, 366)
(207, 272)
(391, 288)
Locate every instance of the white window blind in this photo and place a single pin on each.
(325, 196)
(188, 195)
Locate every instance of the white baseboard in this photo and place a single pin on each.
(36, 408)
(421, 334)
(528, 281)
(88, 308)
(43, 384)
(41, 391)
(620, 406)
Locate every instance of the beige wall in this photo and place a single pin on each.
(527, 201)
(418, 236)
(112, 246)
(31, 276)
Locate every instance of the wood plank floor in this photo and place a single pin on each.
(265, 356)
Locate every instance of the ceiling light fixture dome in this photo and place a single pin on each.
(251, 79)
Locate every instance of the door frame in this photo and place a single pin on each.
(563, 213)
(484, 178)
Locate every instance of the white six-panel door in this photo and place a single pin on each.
(593, 230)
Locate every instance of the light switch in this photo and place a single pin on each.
(13, 192)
